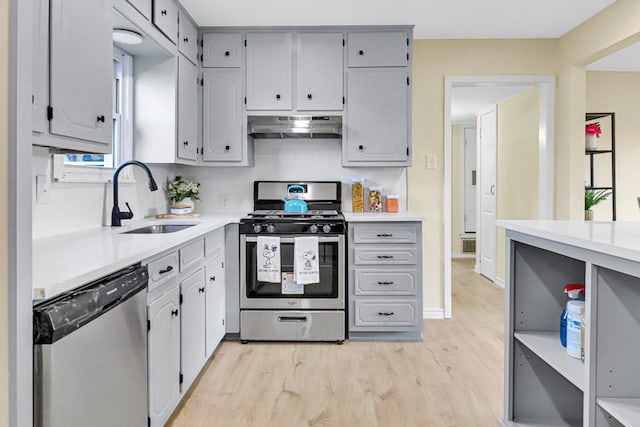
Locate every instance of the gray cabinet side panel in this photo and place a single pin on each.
(232, 277)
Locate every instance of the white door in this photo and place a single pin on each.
(469, 162)
(487, 124)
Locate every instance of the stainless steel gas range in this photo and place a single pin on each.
(292, 265)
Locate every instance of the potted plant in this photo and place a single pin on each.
(592, 133)
(592, 198)
(181, 193)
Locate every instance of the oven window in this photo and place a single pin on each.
(327, 288)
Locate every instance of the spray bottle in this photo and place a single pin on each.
(575, 292)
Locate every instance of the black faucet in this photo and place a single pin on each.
(116, 215)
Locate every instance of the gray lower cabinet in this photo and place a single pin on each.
(385, 280)
(377, 117)
(80, 102)
(224, 136)
(320, 70)
(215, 281)
(192, 328)
(165, 18)
(187, 110)
(269, 71)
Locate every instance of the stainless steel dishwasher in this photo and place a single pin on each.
(90, 354)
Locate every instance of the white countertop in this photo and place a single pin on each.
(61, 263)
(617, 238)
(381, 216)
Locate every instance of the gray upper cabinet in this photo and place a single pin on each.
(187, 109)
(377, 128)
(165, 17)
(40, 98)
(188, 38)
(390, 49)
(81, 71)
(320, 68)
(142, 6)
(223, 50)
(224, 138)
(269, 71)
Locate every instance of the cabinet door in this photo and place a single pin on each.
(269, 71)
(143, 6)
(82, 70)
(187, 109)
(215, 306)
(222, 50)
(377, 115)
(319, 72)
(222, 124)
(40, 98)
(165, 17)
(378, 49)
(192, 333)
(164, 356)
(188, 38)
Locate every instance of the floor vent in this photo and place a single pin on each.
(468, 245)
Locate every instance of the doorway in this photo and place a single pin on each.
(546, 85)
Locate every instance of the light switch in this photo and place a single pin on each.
(431, 161)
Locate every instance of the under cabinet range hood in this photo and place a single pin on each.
(308, 127)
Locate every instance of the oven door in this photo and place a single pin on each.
(327, 294)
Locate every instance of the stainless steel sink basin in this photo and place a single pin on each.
(159, 229)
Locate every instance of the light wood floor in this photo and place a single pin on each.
(452, 378)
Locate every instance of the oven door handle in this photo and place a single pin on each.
(292, 319)
(321, 239)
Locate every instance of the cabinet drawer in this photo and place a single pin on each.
(388, 314)
(162, 270)
(222, 50)
(384, 233)
(165, 18)
(214, 244)
(188, 38)
(385, 255)
(378, 49)
(191, 254)
(385, 282)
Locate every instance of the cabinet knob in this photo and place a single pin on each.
(186, 39)
(212, 278)
(174, 313)
(227, 147)
(185, 143)
(309, 96)
(227, 53)
(164, 12)
(100, 119)
(360, 147)
(277, 96)
(361, 52)
(201, 290)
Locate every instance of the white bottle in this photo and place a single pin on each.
(574, 327)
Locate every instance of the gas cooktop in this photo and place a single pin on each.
(279, 214)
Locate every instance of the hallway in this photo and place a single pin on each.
(452, 378)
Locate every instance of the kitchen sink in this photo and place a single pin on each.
(159, 229)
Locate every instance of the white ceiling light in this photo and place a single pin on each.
(124, 36)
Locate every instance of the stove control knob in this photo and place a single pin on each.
(271, 228)
(257, 228)
(326, 228)
(313, 228)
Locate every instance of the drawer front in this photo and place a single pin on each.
(292, 325)
(387, 314)
(385, 282)
(188, 39)
(165, 18)
(378, 49)
(191, 254)
(162, 270)
(214, 244)
(367, 255)
(222, 50)
(385, 233)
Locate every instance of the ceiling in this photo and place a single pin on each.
(627, 59)
(433, 19)
(467, 101)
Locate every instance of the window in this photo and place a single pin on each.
(99, 167)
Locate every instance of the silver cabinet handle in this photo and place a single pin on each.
(292, 319)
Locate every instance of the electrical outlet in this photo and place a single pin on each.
(224, 200)
(431, 161)
(42, 190)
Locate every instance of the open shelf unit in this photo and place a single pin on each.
(595, 155)
(544, 386)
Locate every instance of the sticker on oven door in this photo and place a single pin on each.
(289, 285)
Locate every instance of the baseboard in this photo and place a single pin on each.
(463, 255)
(499, 282)
(433, 313)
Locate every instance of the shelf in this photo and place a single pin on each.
(626, 411)
(540, 423)
(594, 116)
(598, 188)
(546, 345)
(597, 151)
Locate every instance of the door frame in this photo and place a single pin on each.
(546, 84)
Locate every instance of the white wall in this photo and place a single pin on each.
(287, 160)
